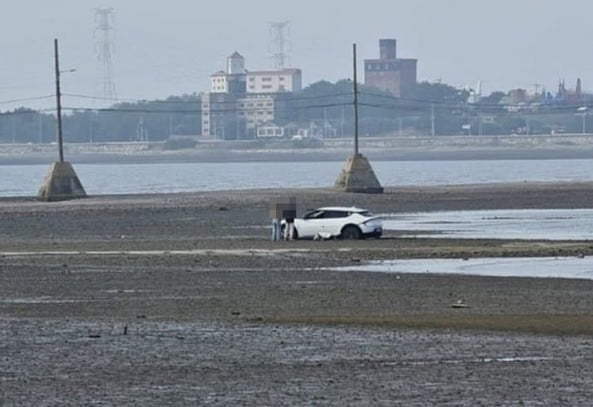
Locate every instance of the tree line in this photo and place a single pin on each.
(323, 107)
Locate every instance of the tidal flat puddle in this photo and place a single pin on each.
(533, 267)
(528, 224)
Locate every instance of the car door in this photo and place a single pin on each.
(334, 222)
(311, 224)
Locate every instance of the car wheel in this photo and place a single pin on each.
(351, 232)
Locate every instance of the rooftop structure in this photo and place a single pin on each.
(237, 80)
(390, 73)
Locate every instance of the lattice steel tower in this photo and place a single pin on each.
(104, 47)
(279, 43)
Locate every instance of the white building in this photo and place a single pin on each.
(285, 80)
(256, 109)
(240, 101)
(231, 116)
(219, 82)
(233, 79)
(235, 64)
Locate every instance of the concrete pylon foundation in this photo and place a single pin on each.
(358, 176)
(61, 183)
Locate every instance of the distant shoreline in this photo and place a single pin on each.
(303, 155)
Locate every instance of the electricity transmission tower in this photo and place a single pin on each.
(104, 47)
(279, 43)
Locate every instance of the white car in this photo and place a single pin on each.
(339, 221)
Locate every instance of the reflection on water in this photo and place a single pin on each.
(546, 267)
(552, 224)
(24, 180)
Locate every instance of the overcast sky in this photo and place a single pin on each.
(171, 47)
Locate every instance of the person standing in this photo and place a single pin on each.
(289, 229)
(289, 214)
(275, 229)
(275, 214)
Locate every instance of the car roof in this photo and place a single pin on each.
(342, 209)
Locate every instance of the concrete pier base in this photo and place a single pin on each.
(61, 183)
(358, 176)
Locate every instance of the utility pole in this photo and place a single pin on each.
(58, 103)
(432, 121)
(583, 110)
(14, 127)
(357, 174)
(90, 128)
(40, 128)
(355, 89)
(324, 133)
(342, 122)
(61, 181)
(140, 132)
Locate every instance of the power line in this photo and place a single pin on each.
(80, 96)
(27, 112)
(400, 100)
(476, 109)
(6, 102)
(120, 110)
(197, 100)
(557, 110)
(399, 104)
(419, 104)
(170, 111)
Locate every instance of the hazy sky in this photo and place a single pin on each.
(171, 47)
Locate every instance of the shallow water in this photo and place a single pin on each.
(25, 180)
(531, 224)
(543, 267)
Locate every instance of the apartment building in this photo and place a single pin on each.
(240, 101)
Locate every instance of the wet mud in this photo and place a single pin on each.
(99, 319)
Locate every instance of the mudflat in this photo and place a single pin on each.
(182, 300)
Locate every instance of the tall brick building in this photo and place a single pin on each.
(390, 73)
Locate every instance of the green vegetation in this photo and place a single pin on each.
(129, 121)
(323, 108)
